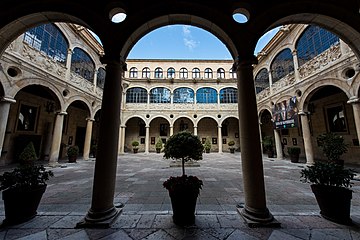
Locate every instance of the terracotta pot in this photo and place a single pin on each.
(72, 159)
(183, 204)
(232, 150)
(294, 158)
(334, 202)
(21, 205)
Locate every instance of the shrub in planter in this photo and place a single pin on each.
(135, 145)
(294, 153)
(28, 155)
(268, 144)
(22, 191)
(183, 190)
(331, 184)
(72, 153)
(333, 146)
(207, 145)
(159, 145)
(231, 145)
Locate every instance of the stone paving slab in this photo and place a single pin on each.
(147, 213)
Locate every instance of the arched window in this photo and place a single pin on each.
(82, 64)
(160, 95)
(206, 95)
(183, 73)
(133, 72)
(171, 73)
(196, 73)
(220, 73)
(208, 73)
(158, 73)
(100, 80)
(136, 95)
(262, 80)
(146, 72)
(183, 95)
(282, 65)
(48, 39)
(228, 95)
(313, 41)
(232, 74)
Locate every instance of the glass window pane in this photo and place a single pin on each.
(282, 65)
(206, 95)
(183, 95)
(82, 64)
(136, 95)
(228, 95)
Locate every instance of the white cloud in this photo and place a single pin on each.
(186, 31)
(189, 41)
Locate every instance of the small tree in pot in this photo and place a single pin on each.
(231, 146)
(72, 153)
(183, 190)
(330, 183)
(207, 145)
(294, 153)
(333, 146)
(158, 145)
(268, 143)
(135, 145)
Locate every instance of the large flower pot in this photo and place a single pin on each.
(334, 202)
(183, 204)
(72, 159)
(270, 153)
(294, 158)
(158, 150)
(232, 150)
(21, 205)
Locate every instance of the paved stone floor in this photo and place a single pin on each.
(147, 212)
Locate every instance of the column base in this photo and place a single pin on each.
(100, 219)
(255, 218)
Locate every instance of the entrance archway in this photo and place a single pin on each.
(135, 131)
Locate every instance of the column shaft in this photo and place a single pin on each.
(147, 136)
(195, 131)
(278, 145)
(56, 140)
(356, 111)
(307, 138)
(4, 115)
(122, 147)
(171, 130)
(220, 139)
(87, 143)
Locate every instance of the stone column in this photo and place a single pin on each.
(355, 102)
(255, 210)
(120, 140)
(87, 143)
(261, 145)
(56, 140)
(103, 212)
(278, 145)
(296, 65)
(68, 65)
(171, 130)
(195, 131)
(270, 80)
(309, 153)
(220, 139)
(147, 137)
(122, 146)
(4, 115)
(95, 81)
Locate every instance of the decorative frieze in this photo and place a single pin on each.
(81, 82)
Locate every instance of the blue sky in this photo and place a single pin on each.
(185, 42)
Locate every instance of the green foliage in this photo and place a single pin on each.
(183, 184)
(184, 146)
(159, 144)
(207, 144)
(327, 173)
(28, 154)
(25, 177)
(268, 143)
(73, 151)
(293, 150)
(135, 144)
(332, 145)
(231, 143)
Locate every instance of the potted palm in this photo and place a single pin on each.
(207, 145)
(331, 184)
(268, 143)
(294, 153)
(22, 188)
(333, 146)
(231, 145)
(158, 145)
(72, 153)
(183, 190)
(135, 145)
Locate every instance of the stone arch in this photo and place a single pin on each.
(183, 116)
(182, 123)
(206, 116)
(230, 132)
(159, 116)
(135, 130)
(134, 116)
(80, 99)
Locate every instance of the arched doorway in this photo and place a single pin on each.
(230, 132)
(183, 124)
(208, 129)
(135, 131)
(159, 128)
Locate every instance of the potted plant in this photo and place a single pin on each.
(159, 145)
(93, 150)
(207, 145)
(294, 153)
(231, 146)
(28, 154)
(183, 190)
(72, 153)
(330, 183)
(333, 146)
(268, 143)
(135, 145)
(22, 190)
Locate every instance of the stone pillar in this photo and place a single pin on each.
(355, 102)
(147, 137)
(4, 115)
(220, 139)
(68, 65)
(56, 140)
(270, 80)
(103, 212)
(122, 146)
(120, 140)
(87, 143)
(195, 131)
(261, 145)
(171, 130)
(278, 145)
(309, 153)
(95, 81)
(255, 210)
(296, 65)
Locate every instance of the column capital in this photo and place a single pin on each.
(61, 113)
(123, 126)
(69, 51)
(353, 100)
(301, 112)
(219, 126)
(90, 119)
(111, 60)
(7, 100)
(294, 52)
(244, 62)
